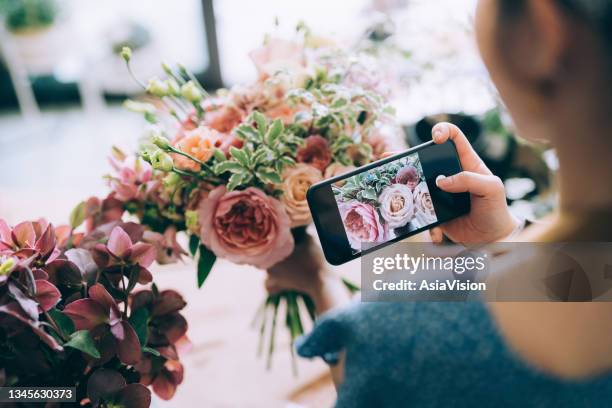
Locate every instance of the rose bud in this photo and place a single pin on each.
(160, 141)
(126, 54)
(191, 92)
(161, 160)
(157, 87)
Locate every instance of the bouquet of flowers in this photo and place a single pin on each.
(385, 202)
(69, 315)
(232, 169)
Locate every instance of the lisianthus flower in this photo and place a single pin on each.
(424, 204)
(396, 205)
(296, 182)
(100, 313)
(200, 144)
(277, 55)
(133, 177)
(362, 224)
(315, 152)
(408, 175)
(245, 227)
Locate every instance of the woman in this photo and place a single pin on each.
(551, 61)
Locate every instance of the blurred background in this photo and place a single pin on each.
(62, 83)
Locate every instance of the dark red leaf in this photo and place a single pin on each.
(169, 301)
(14, 311)
(46, 243)
(27, 304)
(47, 295)
(128, 346)
(86, 314)
(104, 384)
(134, 396)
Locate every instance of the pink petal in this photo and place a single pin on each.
(6, 241)
(119, 242)
(143, 254)
(24, 235)
(47, 295)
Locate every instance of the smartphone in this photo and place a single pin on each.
(385, 201)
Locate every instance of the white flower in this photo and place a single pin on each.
(396, 205)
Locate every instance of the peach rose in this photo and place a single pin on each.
(315, 152)
(336, 169)
(245, 227)
(223, 117)
(424, 204)
(296, 182)
(362, 224)
(198, 143)
(396, 205)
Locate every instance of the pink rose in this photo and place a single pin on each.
(315, 152)
(362, 224)
(409, 176)
(245, 227)
(277, 55)
(396, 205)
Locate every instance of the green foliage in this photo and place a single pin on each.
(268, 148)
(205, 263)
(82, 341)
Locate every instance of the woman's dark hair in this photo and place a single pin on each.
(596, 13)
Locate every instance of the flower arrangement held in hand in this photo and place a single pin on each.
(385, 202)
(232, 169)
(69, 315)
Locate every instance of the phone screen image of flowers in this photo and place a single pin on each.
(384, 203)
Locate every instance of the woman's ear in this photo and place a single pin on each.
(544, 39)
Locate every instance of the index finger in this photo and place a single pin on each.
(469, 159)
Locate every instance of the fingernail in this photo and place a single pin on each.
(440, 179)
(437, 131)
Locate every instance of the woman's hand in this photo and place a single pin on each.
(489, 218)
(306, 271)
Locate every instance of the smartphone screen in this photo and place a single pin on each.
(385, 201)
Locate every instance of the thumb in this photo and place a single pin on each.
(478, 184)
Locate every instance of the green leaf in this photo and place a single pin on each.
(369, 193)
(262, 123)
(77, 215)
(268, 175)
(237, 179)
(248, 133)
(240, 155)
(139, 319)
(227, 165)
(65, 324)
(205, 264)
(274, 131)
(82, 341)
(194, 241)
(219, 155)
